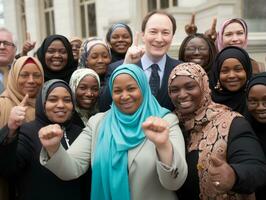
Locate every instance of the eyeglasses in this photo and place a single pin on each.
(255, 103)
(7, 44)
(193, 49)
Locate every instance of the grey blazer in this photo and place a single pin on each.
(149, 178)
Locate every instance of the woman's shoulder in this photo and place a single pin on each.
(96, 119)
(240, 127)
(171, 117)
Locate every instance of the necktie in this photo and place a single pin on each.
(154, 79)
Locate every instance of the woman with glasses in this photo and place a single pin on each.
(197, 48)
(256, 101)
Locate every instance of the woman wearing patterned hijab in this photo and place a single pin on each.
(85, 86)
(122, 145)
(56, 57)
(225, 160)
(229, 77)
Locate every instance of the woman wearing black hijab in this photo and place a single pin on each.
(56, 57)
(256, 101)
(20, 147)
(229, 77)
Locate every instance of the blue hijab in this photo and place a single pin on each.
(120, 132)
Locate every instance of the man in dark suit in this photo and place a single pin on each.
(158, 29)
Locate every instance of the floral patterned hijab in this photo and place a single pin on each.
(208, 128)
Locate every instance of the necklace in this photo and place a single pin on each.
(65, 137)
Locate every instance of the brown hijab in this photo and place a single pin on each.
(12, 96)
(208, 129)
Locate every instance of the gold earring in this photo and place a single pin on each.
(218, 86)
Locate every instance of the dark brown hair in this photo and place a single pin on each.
(147, 17)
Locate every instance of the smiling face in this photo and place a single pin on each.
(157, 36)
(56, 56)
(232, 75)
(234, 35)
(98, 59)
(126, 94)
(257, 102)
(59, 106)
(185, 94)
(75, 48)
(29, 80)
(197, 51)
(87, 92)
(7, 52)
(120, 40)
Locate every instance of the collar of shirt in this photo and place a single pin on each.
(146, 63)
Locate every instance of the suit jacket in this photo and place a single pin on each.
(163, 98)
(149, 179)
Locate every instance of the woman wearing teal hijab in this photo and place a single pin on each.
(136, 149)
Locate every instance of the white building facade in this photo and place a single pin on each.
(86, 18)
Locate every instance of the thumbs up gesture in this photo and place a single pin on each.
(221, 174)
(134, 52)
(17, 115)
(28, 45)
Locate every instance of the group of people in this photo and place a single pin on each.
(113, 119)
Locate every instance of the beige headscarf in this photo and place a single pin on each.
(12, 96)
(208, 129)
(76, 77)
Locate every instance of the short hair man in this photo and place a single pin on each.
(158, 29)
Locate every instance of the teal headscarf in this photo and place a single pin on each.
(120, 132)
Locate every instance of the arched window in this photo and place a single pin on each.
(88, 18)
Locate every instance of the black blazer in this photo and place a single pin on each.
(20, 164)
(163, 98)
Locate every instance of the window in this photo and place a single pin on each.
(22, 16)
(88, 18)
(255, 15)
(161, 4)
(49, 17)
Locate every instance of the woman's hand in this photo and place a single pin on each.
(50, 137)
(211, 33)
(156, 129)
(191, 28)
(221, 175)
(17, 116)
